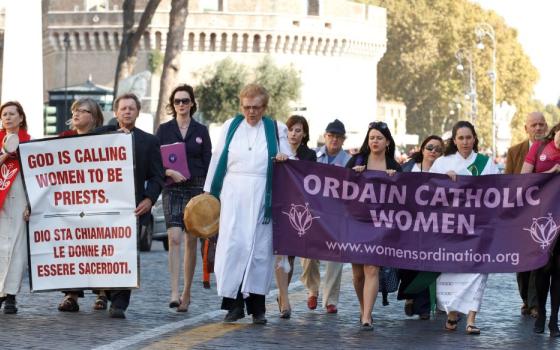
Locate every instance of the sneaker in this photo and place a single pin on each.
(331, 309)
(10, 304)
(115, 312)
(259, 319)
(234, 315)
(312, 302)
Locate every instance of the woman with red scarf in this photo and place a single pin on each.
(13, 207)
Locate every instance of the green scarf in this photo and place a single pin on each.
(478, 165)
(221, 168)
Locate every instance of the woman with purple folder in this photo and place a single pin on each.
(183, 184)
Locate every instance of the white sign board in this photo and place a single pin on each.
(82, 228)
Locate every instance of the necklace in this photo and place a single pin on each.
(249, 145)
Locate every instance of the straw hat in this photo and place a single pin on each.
(202, 215)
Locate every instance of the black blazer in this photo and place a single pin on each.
(148, 169)
(304, 153)
(197, 144)
(360, 159)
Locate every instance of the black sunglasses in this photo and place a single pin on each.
(433, 148)
(184, 101)
(377, 125)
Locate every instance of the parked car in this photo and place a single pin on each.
(159, 231)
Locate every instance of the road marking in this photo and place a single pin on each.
(199, 335)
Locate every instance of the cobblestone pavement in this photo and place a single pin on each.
(150, 324)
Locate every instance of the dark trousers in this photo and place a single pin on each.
(255, 303)
(120, 298)
(548, 279)
(527, 289)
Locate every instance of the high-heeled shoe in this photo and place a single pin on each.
(183, 307)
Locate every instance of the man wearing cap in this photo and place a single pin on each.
(330, 153)
(536, 128)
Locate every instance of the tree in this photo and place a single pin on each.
(172, 59)
(419, 65)
(131, 38)
(218, 93)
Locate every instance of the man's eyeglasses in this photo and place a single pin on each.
(431, 148)
(184, 101)
(378, 125)
(251, 108)
(80, 111)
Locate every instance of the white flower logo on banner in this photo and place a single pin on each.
(543, 230)
(5, 175)
(300, 217)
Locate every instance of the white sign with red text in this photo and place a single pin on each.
(82, 227)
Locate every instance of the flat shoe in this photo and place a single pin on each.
(451, 325)
(183, 307)
(366, 327)
(174, 303)
(286, 314)
(234, 315)
(312, 302)
(473, 330)
(259, 319)
(100, 303)
(408, 308)
(68, 304)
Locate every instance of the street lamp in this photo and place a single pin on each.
(462, 55)
(66, 47)
(482, 30)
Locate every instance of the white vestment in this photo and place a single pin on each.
(13, 239)
(460, 292)
(244, 251)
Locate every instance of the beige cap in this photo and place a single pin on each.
(202, 215)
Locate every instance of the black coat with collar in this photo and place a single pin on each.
(148, 168)
(197, 144)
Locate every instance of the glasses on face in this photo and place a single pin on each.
(377, 125)
(80, 111)
(184, 101)
(431, 148)
(335, 136)
(252, 108)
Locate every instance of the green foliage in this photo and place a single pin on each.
(419, 67)
(155, 61)
(218, 93)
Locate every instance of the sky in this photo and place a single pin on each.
(538, 28)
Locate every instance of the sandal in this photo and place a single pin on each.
(473, 330)
(183, 307)
(68, 304)
(100, 303)
(451, 325)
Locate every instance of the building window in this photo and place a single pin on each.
(313, 7)
(97, 5)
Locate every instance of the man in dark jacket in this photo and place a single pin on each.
(148, 177)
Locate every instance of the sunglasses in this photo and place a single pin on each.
(431, 148)
(377, 125)
(184, 101)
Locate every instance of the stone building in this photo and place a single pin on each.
(335, 45)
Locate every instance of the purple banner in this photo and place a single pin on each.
(418, 221)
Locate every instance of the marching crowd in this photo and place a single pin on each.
(238, 170)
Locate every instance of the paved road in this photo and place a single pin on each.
(150, 324)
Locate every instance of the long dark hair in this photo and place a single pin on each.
(418, 156)
(451, 147)
(383, 129)
(550, 136)
(184, 87)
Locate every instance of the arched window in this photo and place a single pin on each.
(313, 7)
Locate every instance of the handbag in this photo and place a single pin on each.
(388, 279)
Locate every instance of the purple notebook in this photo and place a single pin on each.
(174, 156)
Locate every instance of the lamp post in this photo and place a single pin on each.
(66, 47)
(482, 30)
(461, 55)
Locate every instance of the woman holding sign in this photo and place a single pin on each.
(13, 206)
(182, 184)
(377, 153)
(462, 292)
(86, 116)
(544, 157)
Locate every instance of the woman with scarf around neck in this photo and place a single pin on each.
(86, 116)
(240, 175)
(462, 292)
(298, 136)
(13, 208)
(377, 153)
(544, 157)
(419, 302)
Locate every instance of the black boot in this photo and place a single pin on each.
(2, 301)
(539, 322)
(10, 304)
(553, 327)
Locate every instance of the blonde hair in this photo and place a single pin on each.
(254, 90)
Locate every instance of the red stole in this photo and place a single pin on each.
(10, 168)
